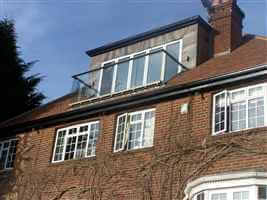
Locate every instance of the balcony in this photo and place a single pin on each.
(131, 73)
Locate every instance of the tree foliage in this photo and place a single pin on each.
(18, 92)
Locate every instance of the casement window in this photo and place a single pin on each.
(135, 130)
(76, 142)
(7, 153)
(240, 109)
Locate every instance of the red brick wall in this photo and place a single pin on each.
(171, 128)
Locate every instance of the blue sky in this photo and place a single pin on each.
(58, 32)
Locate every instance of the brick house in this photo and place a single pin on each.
(178, 112)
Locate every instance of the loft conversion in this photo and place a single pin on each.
(138, 70)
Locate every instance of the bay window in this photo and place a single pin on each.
(7, 153)
(76, 142)
(243, 185)
(135, 130)
(240, 109)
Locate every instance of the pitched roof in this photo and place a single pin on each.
(252, 52)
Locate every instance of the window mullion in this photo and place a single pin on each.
(265, 104)
(247, 100)
(143, 129)
(130, 73)
(1, 147)
(146, 68)
(55, 146)
(127, 125)
(114, 78)
(100, 82)
(88, 138)
(229, 104)
(7, 155)
(163, 65)
(65, 144)
(76, 142)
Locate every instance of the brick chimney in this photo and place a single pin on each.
(226, 18)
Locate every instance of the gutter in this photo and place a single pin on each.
(151, 97)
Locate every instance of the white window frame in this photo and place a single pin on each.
(77, 134)
(145, 75)
(8, 149)
(126, 134)
(225, 111)
(229, 102)
(230, 192)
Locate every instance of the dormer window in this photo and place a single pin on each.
(137, 70)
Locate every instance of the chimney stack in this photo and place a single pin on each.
(226, 19)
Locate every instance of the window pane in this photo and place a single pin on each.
(256, 112)
(93, 137)
(70, 148)
(149, 124)
(120, 132)
(11, 154)
(201, 196)
(60, 145)
(256, 91)
(219, 196)
(92, 79)
(138, 71)
(238, 95)
(238, 116)
(262, 193)
(220, 109)
(3, 159)
(72, 131)
(107, 78)
(122, 76)
(81, 146)
(154, 67)
(171, 67)
(241, 195)
(135, 131)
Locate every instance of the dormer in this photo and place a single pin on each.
(143, 62)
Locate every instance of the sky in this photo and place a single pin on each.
(58, 32)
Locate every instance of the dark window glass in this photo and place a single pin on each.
(138, 70)
(171, 67)
(122, 75)
(263, 192)
(107, 78)
(154, 66)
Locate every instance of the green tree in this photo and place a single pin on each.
(19, 92)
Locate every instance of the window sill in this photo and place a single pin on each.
(4, 171)
(69, 162)
(131, 151)
(249, 131)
